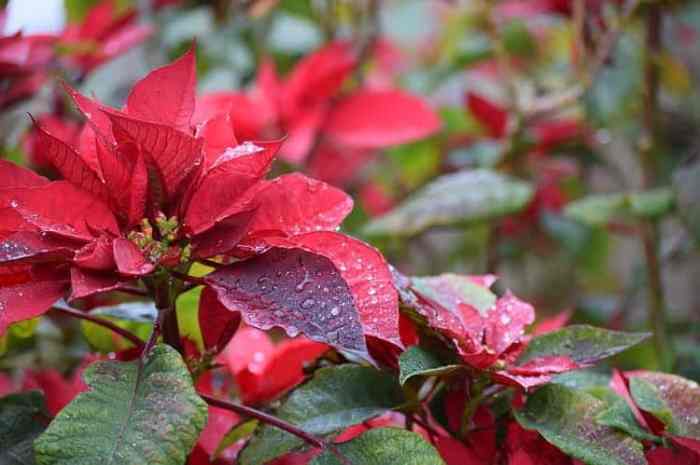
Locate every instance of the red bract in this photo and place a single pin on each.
(104, 34)
(23, 60)
(309, 104)
(487, 338)
(145, 191)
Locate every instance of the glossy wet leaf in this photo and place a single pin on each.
(23, 417)
(454, 199)
(567, 419)
(334, 399)
(582, 343)
(380, 446)
(419, 361)
(619, 415)
(296, 290)
(450, 289)
(130, 415)
(672, 399)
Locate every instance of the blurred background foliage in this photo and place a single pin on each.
(566, 162)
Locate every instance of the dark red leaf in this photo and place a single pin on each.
(224, 236)
(33, 247)
(454, 452)
(296, 290)
(166, 95)
(85, 283)
(58, 391)
(217, 323)
(672, 456)
(378, 119)
(96, 255)
(491, 116)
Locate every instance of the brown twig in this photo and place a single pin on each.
(129, 336)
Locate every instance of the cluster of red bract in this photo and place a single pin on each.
(26, 60)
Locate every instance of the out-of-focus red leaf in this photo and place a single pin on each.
(166, 95)
(58, 390)
(6, 385)
(217, 323)
(299, 291)
(130, 259)
(338, 165)
(295, 204)
(378, 119)
(558, 321)
(12, 175)
(249, 116)
(249, 350)
(493, 117)
(365, 271)
(375, 200)
(454, 452)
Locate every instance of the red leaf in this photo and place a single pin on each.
(29, 292)
(85, 283)
(61, 208)
(535, 372)
(166, 95)
(219, 422)
(692, 444)
(217, 323)
(248, 351)
(92, 111)
(295, 204)
(71, 166)
(454, 452)
(218, 135)
(12, 175)
(249, 116)
(296, 290)
(174, 153)
(618, 383)
(378, 119)
(558, 321)
(225, 189)
(224, 236)
(491, 116)
(57, 390)
(130, 259)
(365, 271)
(674, 456)
(33, 247)
(506, 322)
(96, 255)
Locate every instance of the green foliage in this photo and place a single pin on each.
(136, 317)
(333, 399)
(382, 446)
(23, 417)
(419, 361)
(134, 412)
(600, 209)
(567, 419)
(582, 343)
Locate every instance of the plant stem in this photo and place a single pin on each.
(129, 336)
(647, 147)
(276, 422)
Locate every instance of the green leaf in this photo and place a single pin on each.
(518, 40)
(567, 419)
(334, 399)
(687, 190)
(238, 432)
(136, 317)
(600, 209)
(22, 418)
(134, 413)
(672, 399)
(383, 446)
(460, 198)
(582, 343)
(619, 415)
(447, 288)
(419, 361)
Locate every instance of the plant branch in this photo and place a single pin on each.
(276, 422)
(129, 336)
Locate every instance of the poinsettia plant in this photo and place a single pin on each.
(172, 292)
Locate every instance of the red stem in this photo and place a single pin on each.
(129, 336)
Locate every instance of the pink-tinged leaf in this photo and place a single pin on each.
(138, 191)
(224, 236)
(96, 255)
(130, 259)
(12, 175)
(506, 322)
(280, 372)
(226, 188)
(27, 292)
(166, 95)
(33, 247)
(318, 77)
(98, 19)
(301, 134)
(219, 423)
(218, 136)
(217, 323)
(174, 153)
(455, 452)
(71, 166)
(338, 165)
(295, 204)
(554, 323)
(60, 207)
(365, 271)
(116, 172)
(378, 119)
(618, 383)
(491, 116)
(296, 290)
(535, 372)
(248, 350)
(85, 283)
(552, 133)
(6, 385)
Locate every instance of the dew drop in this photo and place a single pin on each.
(505, 319)
(335, 311)
(308, 303)
(14, 204)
